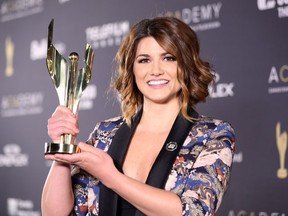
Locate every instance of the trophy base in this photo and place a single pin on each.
(56, 148)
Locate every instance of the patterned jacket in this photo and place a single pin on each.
(194, 163)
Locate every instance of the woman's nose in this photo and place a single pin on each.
(157, 69)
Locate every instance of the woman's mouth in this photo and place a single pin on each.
(157, 82)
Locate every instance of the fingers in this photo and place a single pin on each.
(86, 151)
(67, 158)
(70, 159)
(59, 127)
(49, 157)
(86, 147)
(93, 160)
(62, 121)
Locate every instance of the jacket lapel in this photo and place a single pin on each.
(164, 162)
(162, 166)
(117, 150)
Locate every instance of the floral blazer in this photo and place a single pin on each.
(194, 163)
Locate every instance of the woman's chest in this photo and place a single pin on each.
(141, 154)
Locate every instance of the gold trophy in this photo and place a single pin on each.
(69, 86)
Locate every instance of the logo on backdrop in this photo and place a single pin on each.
(220, 90)
(281, 142)
(200, 17)
(29, 103)
(278, 79)
(9, 52)
(13, 157)
(87, 99)
(38, 49)
(63, 1)
(107, 35)
(280, 5)
(14, 9)
(17, 207)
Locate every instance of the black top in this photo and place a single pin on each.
(124, 208)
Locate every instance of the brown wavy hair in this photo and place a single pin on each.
(178, 39)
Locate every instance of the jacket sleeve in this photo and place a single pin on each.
(204, 182)
(85, 187)
(86, 199)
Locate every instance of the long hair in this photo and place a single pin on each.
(178, 39)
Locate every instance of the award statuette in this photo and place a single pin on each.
(69, 86)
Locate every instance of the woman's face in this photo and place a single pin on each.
(155, 72)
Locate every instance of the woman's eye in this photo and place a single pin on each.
(144, 60)
(170, 58)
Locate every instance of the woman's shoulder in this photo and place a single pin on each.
(104, 131)
(110, 123)
(214, 123)
(207, 128)
(115, 120)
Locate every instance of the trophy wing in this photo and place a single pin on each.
(84, 76)
(56, 65)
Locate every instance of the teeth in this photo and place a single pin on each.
(157, 82)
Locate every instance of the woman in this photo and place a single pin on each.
(160, 157)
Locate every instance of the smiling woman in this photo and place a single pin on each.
(179, 41)
(160, 157)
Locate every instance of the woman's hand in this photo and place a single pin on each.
(62, 121)
(93, 160)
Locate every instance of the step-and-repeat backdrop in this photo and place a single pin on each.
(246, 41)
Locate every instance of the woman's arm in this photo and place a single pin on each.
(57, 194)
(207, 181)
(149, 200)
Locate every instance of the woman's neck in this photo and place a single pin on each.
(159, 116)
